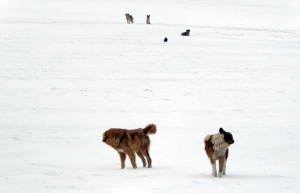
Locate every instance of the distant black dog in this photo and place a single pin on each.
(166, 39)
(186, 33)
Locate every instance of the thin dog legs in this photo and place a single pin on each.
(122, 158)
(213, 167)
(149, 160)
(132, 159)
(221, 164)
(139, 153)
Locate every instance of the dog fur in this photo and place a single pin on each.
(216, 148)
(148, 19)
(129, 18)
(186, 33)
(129, 142)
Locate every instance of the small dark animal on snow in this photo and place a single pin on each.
(186, 33)
(216, 148)
(166, 39)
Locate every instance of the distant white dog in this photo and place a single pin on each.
(148, 19)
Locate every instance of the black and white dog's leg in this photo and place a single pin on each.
(221, 166)
(224, 167)
(213, 167)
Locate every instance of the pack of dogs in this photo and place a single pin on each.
(129, 19)
(132, 142)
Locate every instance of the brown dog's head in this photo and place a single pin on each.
(227, 136)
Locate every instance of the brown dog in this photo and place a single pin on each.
(216, 147)
(130, 142)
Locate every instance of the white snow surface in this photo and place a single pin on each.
(69, 70)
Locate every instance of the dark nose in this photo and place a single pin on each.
(232, 141)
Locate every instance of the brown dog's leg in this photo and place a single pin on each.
(131, 156)
(224, 167)
(139, 153)
(221, 164)
(147, 155)
(122, 158)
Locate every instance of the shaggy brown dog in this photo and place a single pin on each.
(216, 147)
(130, 142)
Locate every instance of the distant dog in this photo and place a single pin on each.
(216, 147)
(148, 19)
(129, 18)
(186, 33)
(129, 142)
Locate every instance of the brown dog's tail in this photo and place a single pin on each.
(150, 129)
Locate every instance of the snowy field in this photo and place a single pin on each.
(69, 70)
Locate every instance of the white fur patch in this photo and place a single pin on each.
(206, 138)
(220, 146)
(214, 170)
(120, 150)
(217, 138)
(224, 168)
(220, 175)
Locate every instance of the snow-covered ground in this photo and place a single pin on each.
(69, 70)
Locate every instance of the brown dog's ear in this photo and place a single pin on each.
(221, 130)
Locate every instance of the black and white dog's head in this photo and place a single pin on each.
(227, 136)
